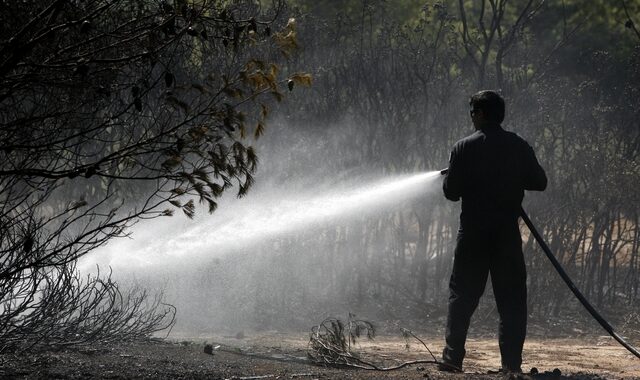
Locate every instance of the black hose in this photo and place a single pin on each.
(573, 288)
(603, 322)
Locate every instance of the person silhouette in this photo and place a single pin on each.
(489, 170)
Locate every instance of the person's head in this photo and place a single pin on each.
(487, 108)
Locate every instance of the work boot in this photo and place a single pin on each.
(445, 366)
(451, 360)
(508, 369)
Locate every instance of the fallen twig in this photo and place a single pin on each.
(406, 333)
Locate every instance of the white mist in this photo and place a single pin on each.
(259, 216)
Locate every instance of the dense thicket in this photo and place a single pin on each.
(111, 112)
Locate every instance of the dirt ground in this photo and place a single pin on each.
(276, 355)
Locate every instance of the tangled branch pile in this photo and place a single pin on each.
(330, 345)
(57, 307)
(330, 342)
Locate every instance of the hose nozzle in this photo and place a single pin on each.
(444, 171)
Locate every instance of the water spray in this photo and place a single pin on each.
(247, 224)
(583, 300)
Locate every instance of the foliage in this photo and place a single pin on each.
(125, 106)
(401, 11)
(112, 111)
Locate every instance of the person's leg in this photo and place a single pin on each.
(467, 283)
(509, 281)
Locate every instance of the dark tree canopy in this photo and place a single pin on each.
(127, 105)
(113, 110)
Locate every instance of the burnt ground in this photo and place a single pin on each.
(274, 355)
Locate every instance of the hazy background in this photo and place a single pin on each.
(391, 83)
(390, 96)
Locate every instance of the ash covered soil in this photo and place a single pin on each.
(276, 355)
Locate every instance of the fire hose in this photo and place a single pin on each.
(583, 300)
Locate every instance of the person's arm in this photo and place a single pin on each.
(452, 185)
(534, 175)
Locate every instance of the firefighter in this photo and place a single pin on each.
(489, 170)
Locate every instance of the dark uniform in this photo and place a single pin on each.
(490, 170)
